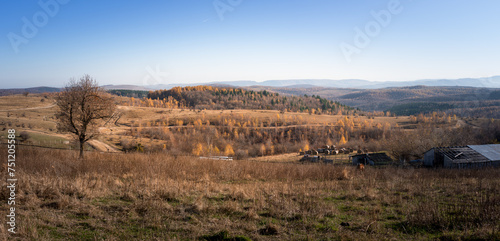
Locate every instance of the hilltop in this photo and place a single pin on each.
(33, 90)
(412, 100)
(486, 82)
(471, 97)
(208, 97)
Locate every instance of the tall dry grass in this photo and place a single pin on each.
(139, 196)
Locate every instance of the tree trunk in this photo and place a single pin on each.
(81, 148)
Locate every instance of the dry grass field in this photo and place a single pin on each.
(35, 113)
(157, 197)
(160, 196)
(28, 112)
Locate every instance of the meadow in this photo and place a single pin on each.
(167, 192)
(139, 196)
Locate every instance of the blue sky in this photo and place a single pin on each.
(187, 41)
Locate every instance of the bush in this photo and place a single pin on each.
(24, 136)
(222, 236)
(128, 145)
(241, 154)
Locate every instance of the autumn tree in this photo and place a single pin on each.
(83, 107)
(228, 150)
(198, 150)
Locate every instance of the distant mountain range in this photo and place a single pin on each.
(488, 82)
(34, 90)
(126, 87)
(352, 84)
(465, 97)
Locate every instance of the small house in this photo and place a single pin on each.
(315, 159)
(372, 159)
(308, 158)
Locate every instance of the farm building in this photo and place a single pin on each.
(373, 159)
(472, 156)
(315, 159)
(308, 158)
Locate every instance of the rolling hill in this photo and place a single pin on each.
(209, 97)
(34, 90)
(486, 82)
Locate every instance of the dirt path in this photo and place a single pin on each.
(463, 123)
(235, 127)
(96, 144)
(32, 108)
(65, 136)
(460, 123)
(101, 146)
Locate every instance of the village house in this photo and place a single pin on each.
(372, 159)
(471, 156)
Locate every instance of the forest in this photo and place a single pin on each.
(249, 133)
(151, 174)
(216, 98)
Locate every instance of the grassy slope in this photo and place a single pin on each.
(43, 119)
(144, 197)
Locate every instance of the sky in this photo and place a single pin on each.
(48, 42)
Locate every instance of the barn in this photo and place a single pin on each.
(472, 156)
(373, 159)
(308, 158)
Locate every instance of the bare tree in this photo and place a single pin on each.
(83, 106)
(406, 145)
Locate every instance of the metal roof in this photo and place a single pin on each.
(462, 154)
(376, 157)
(492, 152)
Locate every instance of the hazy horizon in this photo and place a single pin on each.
(48, 42)
(376, 84)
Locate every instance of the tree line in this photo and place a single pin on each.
(215, 98)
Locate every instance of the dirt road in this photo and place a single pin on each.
(96, 144)
(31, 108)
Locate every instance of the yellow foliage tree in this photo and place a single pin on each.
(340, 123)
(306, 147)
(342, 140)
(198, 150)
(228, 150)
(262, 149)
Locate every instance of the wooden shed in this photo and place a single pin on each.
(373, 159)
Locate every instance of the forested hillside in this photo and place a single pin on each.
(129, 93)
(26, 91)
(413, 100)
(209, 97)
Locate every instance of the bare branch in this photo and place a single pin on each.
(83, 106)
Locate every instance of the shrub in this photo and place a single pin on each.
(128, 145)
(24, 136)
